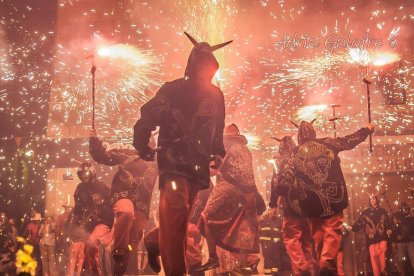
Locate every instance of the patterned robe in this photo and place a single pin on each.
(234, 204)
(315, 170)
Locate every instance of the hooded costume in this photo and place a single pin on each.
(295, 228)
(316, 176)
(233, 207)
(285, 151)
(190, 113)
(317, 171)
(132, 183)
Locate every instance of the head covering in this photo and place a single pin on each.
(37, 217)
(286, 145)
(201, 57)
(404, 208)
(306, 132)
(374, 197)
(86, 168)
(124, 177)
(231, 130)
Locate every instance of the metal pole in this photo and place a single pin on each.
(334, 122)
(93, 70)
(367, 82)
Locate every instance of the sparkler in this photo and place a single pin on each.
(365, 58)
(367, 82)
(126, 75)
(309, 112)
(93, 70)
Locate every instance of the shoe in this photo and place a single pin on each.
(326, 272)
(210, 264)
(154, 261)
(242, 271)
(120, 263)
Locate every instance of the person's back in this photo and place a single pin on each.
(318, 170)
(191, 118)
(190, 113)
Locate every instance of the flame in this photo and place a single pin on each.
(253, 141)
(309, 112)
(365, 58)
(383, 58)
(126, 52)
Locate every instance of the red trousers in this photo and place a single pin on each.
(377, 253)
(176, 198)
(101, 234)
(327, 236)
(340, 263)
(298, 243)
(128, 226)
(77, 256)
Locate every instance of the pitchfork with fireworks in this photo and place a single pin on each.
(365, 59)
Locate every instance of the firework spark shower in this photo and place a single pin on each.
(290, 61)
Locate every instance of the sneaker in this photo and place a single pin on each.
(154, 261)
(120, 263)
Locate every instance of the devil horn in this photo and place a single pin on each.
(313, 121)
(277, 139)
(195, 43)
(221, 45)
(293, 123)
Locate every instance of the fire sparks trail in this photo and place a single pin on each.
(126, 76)
(310, 112)
(44, 75)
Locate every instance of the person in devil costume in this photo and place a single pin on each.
(131, 193)
(230, 218)
(316, 176)
(190, 112)
(296, 232)
(93, 213)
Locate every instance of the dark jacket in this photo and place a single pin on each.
(376, 222)
(135, 178)
(191, 121)
(288, 203)
(89, 212)
(315, 169)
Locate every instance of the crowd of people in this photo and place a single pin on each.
(108, 232)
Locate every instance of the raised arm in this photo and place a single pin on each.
(350, 141)
(105, 155)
